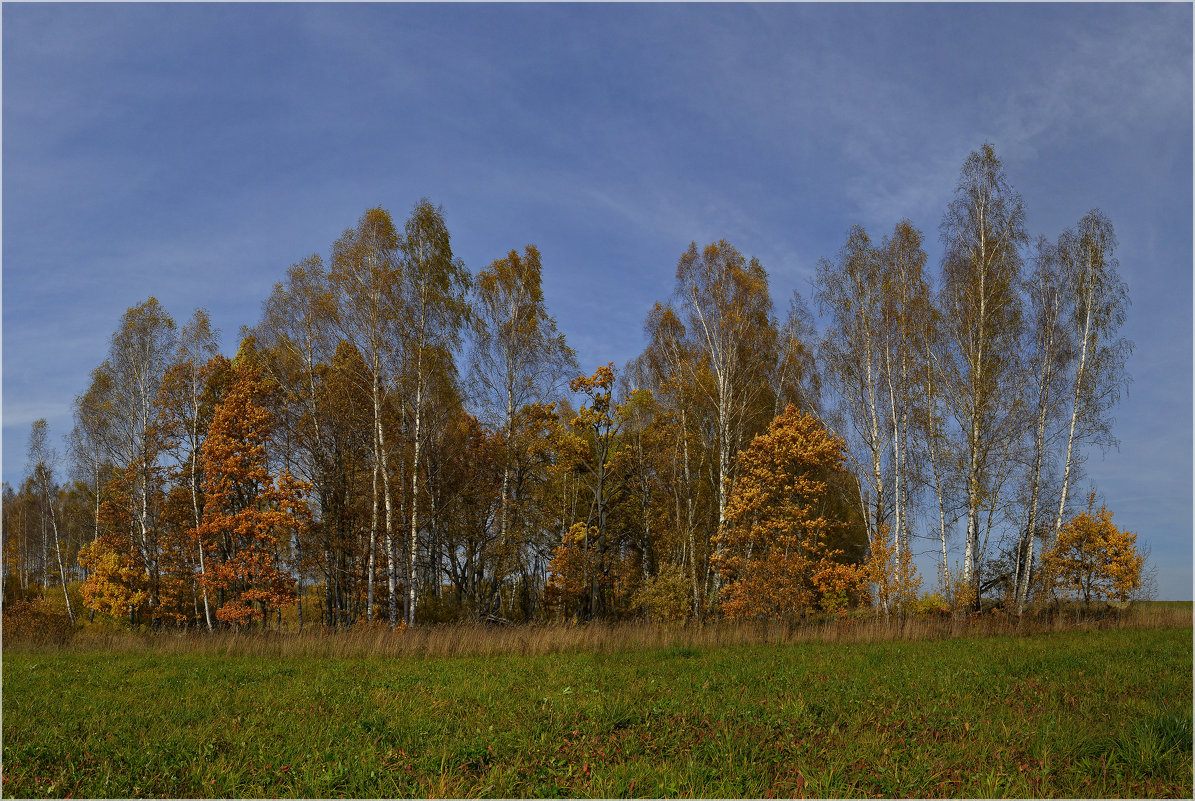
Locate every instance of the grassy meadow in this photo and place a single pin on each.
(1091, 713)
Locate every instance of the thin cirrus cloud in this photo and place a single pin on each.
(194, 151)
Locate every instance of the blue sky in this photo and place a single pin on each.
(195, 151)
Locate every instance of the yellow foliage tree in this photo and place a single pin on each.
(115, 583)
(774, 556)
(892, 574)
(1092, 559)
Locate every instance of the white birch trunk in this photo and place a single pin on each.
(1080, 375)
(414, 543)
(58, 549)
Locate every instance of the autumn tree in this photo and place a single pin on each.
(42, 460)
(594, 456)
(647, 441)
(116, 583)
(183, 418)
(13, 543)
(518, 358)
(130, 514)
(365, 273)
(671, 369)
(345, 502)
(434, 287)
(467, 483)
(249, 514)
(1049, 352)
(775, 558)
(893, 576)
(569, 585)
(982, 232)
(1098, 300)
(1092, 559)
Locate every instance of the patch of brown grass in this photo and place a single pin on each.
(378, 640)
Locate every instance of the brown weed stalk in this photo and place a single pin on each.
(540, 639)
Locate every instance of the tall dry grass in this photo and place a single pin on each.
(486, 640)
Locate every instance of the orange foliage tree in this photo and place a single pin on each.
(249, 515)
(564, 594)
(1092, 559)
(775, 559)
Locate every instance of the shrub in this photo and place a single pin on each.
(36, 621)
(665, 596)
(931, 605)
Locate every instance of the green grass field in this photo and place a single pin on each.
(1086, 713)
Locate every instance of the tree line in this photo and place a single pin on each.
(398, 440)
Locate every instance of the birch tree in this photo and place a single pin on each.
(90, 441)
(434, 312)
(179, 403)
(42, 460)
(982, 232)
(723, 302)
(297, 331)
(796, 379)
(1098, 301)
(849, 291)
(518, 358)
(137, 358)
(1049, 353)
(365, 273)
(905, 301)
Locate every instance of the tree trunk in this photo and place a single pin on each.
(1080, 375)
(1026, 549)
(61, 570)
(373, 498)
(207, 613)
(689, 521)
(414, 543)
(391, 563)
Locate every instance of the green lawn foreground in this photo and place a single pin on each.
(1091, 714)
